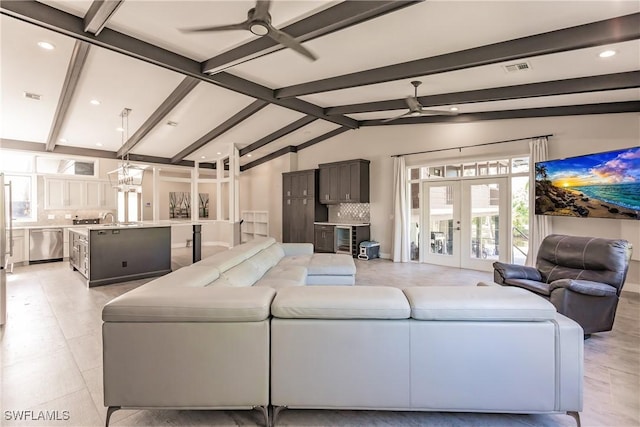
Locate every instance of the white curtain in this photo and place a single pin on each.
(401, 211)
(539, 225)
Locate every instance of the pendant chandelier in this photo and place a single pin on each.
(126, 177)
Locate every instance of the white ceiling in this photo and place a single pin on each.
(418, 31)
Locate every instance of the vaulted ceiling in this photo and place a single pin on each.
(194, 94)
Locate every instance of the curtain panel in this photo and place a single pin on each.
(400, 249)
(539, 225)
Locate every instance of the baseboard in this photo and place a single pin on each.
(225, 244)
(385, 256)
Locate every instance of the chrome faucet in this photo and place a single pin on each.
(104, 217)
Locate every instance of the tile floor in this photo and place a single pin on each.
(51, 359)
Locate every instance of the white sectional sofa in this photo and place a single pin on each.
(462, 349)
(198, 338)
(203, 338)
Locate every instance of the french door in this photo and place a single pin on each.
(465, 222)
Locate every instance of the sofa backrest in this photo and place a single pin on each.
(226, 260)
(245, 264)
(585, 258)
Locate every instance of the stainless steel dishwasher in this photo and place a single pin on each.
(45, 244)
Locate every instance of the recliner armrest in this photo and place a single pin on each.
(586, 287)
(503, 271)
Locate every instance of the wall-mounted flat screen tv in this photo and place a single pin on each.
(601, 185)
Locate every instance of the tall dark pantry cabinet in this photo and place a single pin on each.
(301, 206)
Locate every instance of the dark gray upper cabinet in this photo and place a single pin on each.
(344, 182)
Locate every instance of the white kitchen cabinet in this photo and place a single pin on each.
(100, 194)
(79, 194)
(18, 246)
(65, 243)
(64, 194)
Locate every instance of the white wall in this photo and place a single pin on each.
(572, 135)
(261, 190)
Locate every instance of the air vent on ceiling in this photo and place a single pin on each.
(514, 68)
(32, 96)
(170, 123)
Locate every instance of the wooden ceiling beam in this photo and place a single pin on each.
(178, 94)
(615, 81)
(615, 30)
(76, 65)
(99, 14)
(525, 113)
(228, 124)
(338, 17)
(65, 23)
(291, 127)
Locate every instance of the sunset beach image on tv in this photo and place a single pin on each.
(601, 185)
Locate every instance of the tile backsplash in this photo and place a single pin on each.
(349, 212)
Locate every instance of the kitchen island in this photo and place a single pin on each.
(112, 253)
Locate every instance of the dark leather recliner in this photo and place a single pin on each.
(581, 276)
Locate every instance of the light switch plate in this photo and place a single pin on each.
(67, 216)
(51, 216)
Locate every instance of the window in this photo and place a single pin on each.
(63, 166)
(22, 197)
(515, 168)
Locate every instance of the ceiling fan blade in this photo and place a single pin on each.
(261, 11)
(288, 41)
(240, 26)
(413, 103)
(408, 113)
(438, 112)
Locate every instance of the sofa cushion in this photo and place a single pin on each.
(267, 258)
(287, 272)
(284, 276)
(278, 283)
(208, 304)
(224, 261)
(275, 252)
(483, 303)
(331, 264)
(300, 260)
(340, 302)
(195, 276)
(243, 274)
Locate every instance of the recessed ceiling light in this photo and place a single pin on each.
(62, 140)
(453, 109)
(46, 45)
(218, 153)
(94, 102)
(202, 157)
(607, 53)
(248, 155)
(120, 129)
(98, 144)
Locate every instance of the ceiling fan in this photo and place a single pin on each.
(259, 23)
(416, 110)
